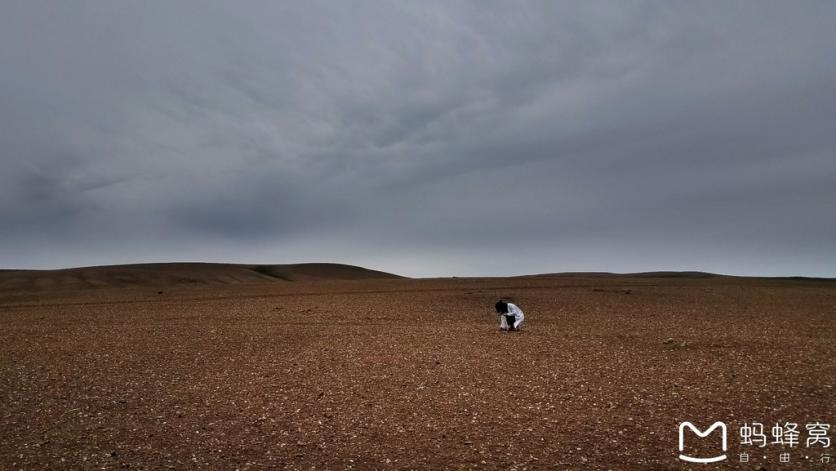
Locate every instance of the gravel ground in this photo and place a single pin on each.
(412, 374)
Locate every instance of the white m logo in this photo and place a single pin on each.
(700, 434)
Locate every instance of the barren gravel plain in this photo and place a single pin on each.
(412, 374)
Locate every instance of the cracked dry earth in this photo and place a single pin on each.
(410, 374)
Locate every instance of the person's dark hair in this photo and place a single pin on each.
(501, 307)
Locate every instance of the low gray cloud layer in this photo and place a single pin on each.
(424, 138)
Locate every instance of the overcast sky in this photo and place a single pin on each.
(423, 138)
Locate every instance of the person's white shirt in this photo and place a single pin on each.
(513, 310)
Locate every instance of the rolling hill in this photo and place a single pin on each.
(172, 274)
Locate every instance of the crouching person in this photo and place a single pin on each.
(510, 315)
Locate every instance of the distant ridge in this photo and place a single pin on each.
(646, 274)
(173, 274)
(665, 274)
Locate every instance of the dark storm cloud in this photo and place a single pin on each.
(422, 138)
